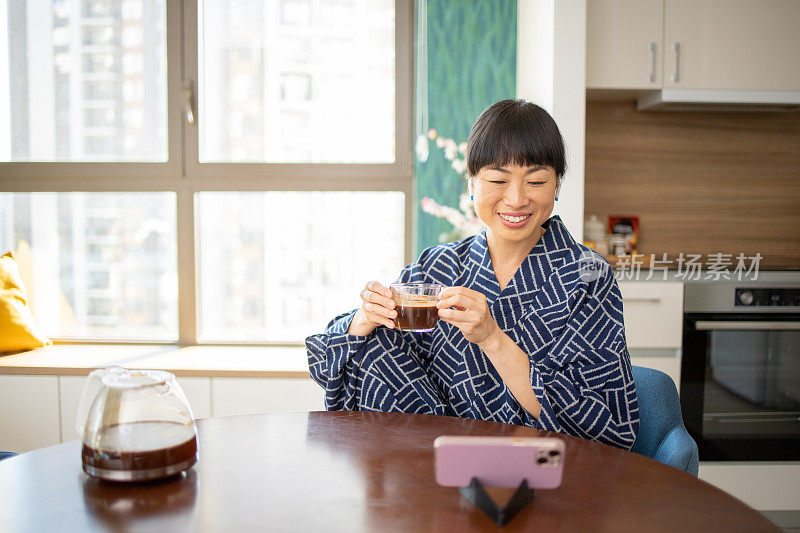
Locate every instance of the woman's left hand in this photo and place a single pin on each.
(468, 311)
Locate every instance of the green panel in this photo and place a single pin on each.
(472, 63)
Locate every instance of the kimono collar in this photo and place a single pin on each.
(548, 253)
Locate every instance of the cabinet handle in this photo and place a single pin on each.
(652, 299)
(708, 325)
(653, 64)
(676, 47)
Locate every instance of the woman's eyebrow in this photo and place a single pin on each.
(535, 168)
(529, 170)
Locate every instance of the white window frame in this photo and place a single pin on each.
(184, 175)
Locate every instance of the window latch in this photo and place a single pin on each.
(188, 109)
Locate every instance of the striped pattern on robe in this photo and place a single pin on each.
(563, 308)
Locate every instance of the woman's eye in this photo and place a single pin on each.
(498, 182)
(535, 183)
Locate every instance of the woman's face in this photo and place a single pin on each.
(514, 201)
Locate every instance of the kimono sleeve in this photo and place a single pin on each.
(585, 384)
(330, 353)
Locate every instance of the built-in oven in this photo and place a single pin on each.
(740, 370)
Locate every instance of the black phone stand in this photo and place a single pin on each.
(476, 494)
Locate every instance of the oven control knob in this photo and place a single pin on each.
(746, 297)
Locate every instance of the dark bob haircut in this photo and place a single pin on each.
(515, 132)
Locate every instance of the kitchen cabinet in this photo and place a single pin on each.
(653, 314)
(41, 391)
(732, 44)
(701, 44)
(240, 396)
(69, 396)
(624, 44)
(29, 414)
(764, 485)
(40, 410)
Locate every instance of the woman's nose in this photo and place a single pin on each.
(515, 196)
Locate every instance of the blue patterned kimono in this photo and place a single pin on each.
(566, 316)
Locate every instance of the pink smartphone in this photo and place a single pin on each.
(499, 461)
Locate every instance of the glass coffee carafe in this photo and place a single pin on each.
(136, 425)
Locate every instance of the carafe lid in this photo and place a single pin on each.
(134, 379)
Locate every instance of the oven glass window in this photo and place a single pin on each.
(752, 385)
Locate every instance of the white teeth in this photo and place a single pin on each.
(514, 219)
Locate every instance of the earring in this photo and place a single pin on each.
(471, 197)
(556, 198)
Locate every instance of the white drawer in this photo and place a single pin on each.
(653, 313)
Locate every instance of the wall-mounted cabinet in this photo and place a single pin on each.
(693, 44)
(624, 44)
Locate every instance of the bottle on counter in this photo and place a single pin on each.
(594, 234)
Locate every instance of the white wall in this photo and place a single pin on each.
(551, 71)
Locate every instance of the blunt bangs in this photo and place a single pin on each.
(515, 132)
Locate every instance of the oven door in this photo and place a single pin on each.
(740, 385)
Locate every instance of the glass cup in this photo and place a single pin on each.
(415, 304)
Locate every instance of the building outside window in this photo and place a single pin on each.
(247, 200)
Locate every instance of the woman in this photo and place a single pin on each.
(527, 334)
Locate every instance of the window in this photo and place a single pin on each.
(206, 171)
(64, 69)
(329, 99)
(96, 265)
(265, 259)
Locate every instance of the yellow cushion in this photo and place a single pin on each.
(17, 329)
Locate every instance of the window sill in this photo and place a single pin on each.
(189, 361)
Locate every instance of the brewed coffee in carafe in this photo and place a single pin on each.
(138, 427)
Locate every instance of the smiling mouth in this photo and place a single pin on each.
(513, 219)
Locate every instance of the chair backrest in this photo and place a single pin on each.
(662, 435)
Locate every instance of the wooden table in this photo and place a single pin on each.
(346, 471)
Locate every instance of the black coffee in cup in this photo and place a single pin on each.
(415, 304)
(417, 315)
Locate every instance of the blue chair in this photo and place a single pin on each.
(662, 435)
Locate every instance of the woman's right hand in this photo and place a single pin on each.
(377, 309)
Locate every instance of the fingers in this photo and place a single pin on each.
(454, 316)
(376, 287)
(378, 305)
(457, 300)
(462, 307)
(380, 316)
(377, 309)
(378, 298)
(469, 294)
